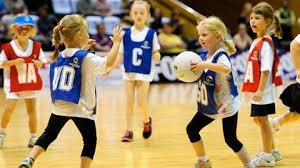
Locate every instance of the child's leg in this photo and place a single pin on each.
(142, 99)
(9, 107)
(198, 122)
(87, 129)
(55, 124)
(31, 111)
(130, 99)
(229, 130)
(288, 117)
(266, 133)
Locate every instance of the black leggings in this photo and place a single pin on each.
(200, 120)
(86, 127)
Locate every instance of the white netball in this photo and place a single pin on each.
(182, 66)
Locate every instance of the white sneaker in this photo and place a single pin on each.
(2, 137)
(32, 141)
(202, 164)
(276, 154)
(249, 165)
(264, 160)
(27, 163)
(274, 124)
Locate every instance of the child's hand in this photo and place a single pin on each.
(18, 61)
(107, 72)
(38, 63)
(156, 57)
(197, 66)
(117, 35)
(89, 44)
(257, 95)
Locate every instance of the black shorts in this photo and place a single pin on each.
(262, 109)
(291, 97)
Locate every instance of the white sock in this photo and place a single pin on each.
(203, 158)
(276, 124)
(2, 130)
(33, 135)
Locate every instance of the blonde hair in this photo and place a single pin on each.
(146, 4)
(267, 11)
(66, 30)
(216, 25)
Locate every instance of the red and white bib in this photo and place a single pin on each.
(252, 73)
(24, 77)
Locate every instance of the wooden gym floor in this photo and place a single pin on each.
(172, 107)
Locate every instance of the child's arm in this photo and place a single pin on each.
(295, 52)
(217, 67)
(9, 63)
(262, 84)
(156, 56)
(38, 63)
(113, 53)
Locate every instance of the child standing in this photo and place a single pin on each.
(260, 78)
(291, 95)
(73, 86)
(139, 49)
(21, 59)
(218, 96)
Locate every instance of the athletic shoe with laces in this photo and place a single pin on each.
(202, 164)
(32, 141)
(264, 160)
(2, 137)
(147, 129)
(128, 136)
(249, 165)
(27, 163)
(276, 154)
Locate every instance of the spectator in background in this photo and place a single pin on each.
(103, 42)
(2, 8)
(103, 8)
(156, 24)
(45, 25)
(169, 42)
(245, 16)
(287, 19)
(10, 4)
(86, 7)
(177, 23)
(242, 40)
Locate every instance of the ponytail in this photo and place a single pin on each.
(56, 40)
(229, 46)
(276, 28)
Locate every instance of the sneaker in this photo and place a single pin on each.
(274, 124)
(264, 160)
(32, 141)
(249, 165)
(128, 136)
(2, 137)
(27, 163)
(202, 164)
(276, 154)
(147, 129)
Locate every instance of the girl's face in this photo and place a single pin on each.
(258, 24)
(207, 38)
(139, 14)
(23, 32)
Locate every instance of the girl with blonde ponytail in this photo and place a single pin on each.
(217, 96)
(73, 75)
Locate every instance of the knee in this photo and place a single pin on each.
(234, 143)
(192, 133)
(90, 141)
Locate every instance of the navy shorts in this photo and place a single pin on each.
(262, 109)
(291, 97)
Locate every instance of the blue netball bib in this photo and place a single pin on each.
(206, 87)
(65, 77)
(138, 55)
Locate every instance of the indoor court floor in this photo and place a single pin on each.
(172, 107)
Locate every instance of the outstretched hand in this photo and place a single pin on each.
(118, 34)
(89, 44)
